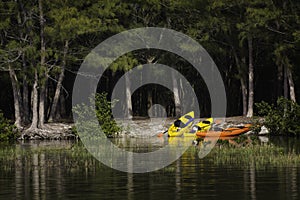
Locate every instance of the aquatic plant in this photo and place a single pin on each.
(256, 155)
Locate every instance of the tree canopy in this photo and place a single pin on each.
(42, 44)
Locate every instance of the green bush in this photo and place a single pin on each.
(103, 113)
(282, 118)
(7, 130)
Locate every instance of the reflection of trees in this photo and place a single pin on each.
(39, 173)
(288, 178)
(178, 179)
(41, 170)
(288, 143)
(36, 176)
(32, 167)
(130, 175)
(18, 177)
(293, 181)
(252, 180)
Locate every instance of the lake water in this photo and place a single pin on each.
(65, 170)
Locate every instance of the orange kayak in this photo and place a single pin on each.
(232, 131)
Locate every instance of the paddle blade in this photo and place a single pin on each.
(160, 135)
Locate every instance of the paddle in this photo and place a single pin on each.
(161, 134)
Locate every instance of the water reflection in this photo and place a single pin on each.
(33, 165)
(290, 144)
(64, 170)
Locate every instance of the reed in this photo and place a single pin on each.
(258, 156)
(74, 156)
(68, 156)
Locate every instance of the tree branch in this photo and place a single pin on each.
(276, 31)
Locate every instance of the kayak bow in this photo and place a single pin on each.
(181, 125)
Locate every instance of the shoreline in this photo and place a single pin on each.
(65, 130)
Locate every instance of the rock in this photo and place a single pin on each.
(249, 133)
(263, 131)
(50, 131)
(263, 139)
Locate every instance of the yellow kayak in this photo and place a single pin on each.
(181, 125)
(202, 126)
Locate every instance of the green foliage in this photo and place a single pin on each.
(103, 113)
(221, 26)
(7, 130)
(282, 119)
(124, 63)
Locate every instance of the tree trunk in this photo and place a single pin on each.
(17, 97)
(279, 79)
(42, 105)
(251, 79)
(149, 102)
(25, 95)
(150, 60)
(242, 81)
(291, 84)
(128, 97)
(59, 84)
(176, 96)
(140, 105)
(244, 95)
(62, 110)
(24, 98)
(34, 96)
(182, 94)
(280, 69)
(43, 79)
(285, 84)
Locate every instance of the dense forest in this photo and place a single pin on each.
(254, 43)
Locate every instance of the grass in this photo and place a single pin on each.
(224, 154)
(253, 155)
(73, 156)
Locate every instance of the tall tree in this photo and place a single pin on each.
(67, 24)
(126, 63)
(251, 78)
(252, 30)
(217, 31)
(284, 26)
(11, 51)
(43, 71)
(17, 95)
